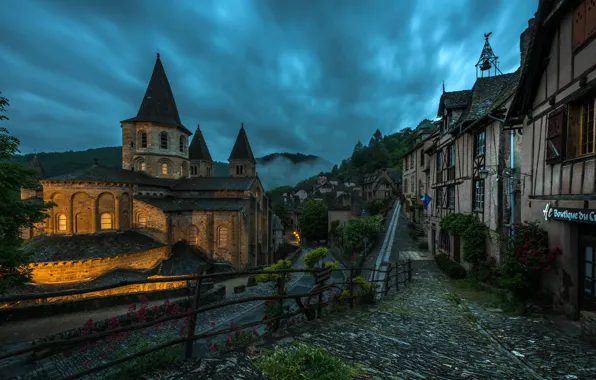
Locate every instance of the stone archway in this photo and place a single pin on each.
(82, 210)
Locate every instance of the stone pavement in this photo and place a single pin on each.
(420, 333)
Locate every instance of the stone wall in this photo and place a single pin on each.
(81, 270)
(82, 204)
(156, 221)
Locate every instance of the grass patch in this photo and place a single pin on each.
(303, 361)
(471, 290)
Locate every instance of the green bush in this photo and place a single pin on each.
(450, 267)
(302, 361)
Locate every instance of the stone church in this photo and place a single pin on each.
(166, 188)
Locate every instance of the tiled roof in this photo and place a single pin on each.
(198, 147)
(454, 99)
(158, 104)
(394, 174)
(488, 94)
(107, 174)
(215, 183)
(242, 150)
(189, 204)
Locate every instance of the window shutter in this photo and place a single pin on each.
(590, 18)
(554, 136)
(579, 24)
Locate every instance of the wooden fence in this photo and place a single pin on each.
(396, 274)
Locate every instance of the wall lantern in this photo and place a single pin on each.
(483, 173)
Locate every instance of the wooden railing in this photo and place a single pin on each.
(394, 272)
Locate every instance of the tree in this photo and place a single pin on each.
(15, 213)
(284, 214)
(335, 169)
(360, 228)
(313, 220)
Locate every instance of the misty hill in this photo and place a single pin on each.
(275, 169)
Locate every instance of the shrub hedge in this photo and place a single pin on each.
(450, 267)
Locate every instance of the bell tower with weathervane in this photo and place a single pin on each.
(488, 60)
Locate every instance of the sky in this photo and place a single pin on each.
(305, 76)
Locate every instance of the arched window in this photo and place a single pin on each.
(164, 168)
(61, 222)
(444, 242)
(141, 221)
(182, 144)
(141, 165)
(163, 138)
(222, 237)
(143, 139)
(106, 221)
(193, 235)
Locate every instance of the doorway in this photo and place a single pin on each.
(587, 268)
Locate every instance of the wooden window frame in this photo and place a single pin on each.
(587, 125)
(478, 203)
(477, 140)
(555, 148)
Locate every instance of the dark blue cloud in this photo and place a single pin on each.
(304, 76)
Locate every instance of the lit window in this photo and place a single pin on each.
(222, 237)
(141, 221)
(106, 221)
(61, 222)
(164, 140)
(141, 165)
(164, 168)
(193, 238)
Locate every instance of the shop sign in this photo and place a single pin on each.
(579, 215)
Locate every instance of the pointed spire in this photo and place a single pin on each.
(242, 150)
(443, 86)
(36, 164)
(158, 104)
(198, 147)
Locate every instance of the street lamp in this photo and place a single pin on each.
(483, 173)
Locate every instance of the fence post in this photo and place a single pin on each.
(409, 270)
(397, 276)
(387, 278)
(281, 292)
(193, 318)
(351, 300)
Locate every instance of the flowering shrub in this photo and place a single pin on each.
(526, 257)
(530, 246)
(126, 343)
(239, 339)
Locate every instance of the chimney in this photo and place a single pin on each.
(524, 41)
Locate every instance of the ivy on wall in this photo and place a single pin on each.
(472, 231)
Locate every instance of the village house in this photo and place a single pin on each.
(382, 184)
(466, 156)
(165, 188)
(415, 172)
(555, 101)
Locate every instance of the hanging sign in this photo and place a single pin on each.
(579, 215)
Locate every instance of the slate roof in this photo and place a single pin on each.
(189, 204)
(198, 147)
(214, 183)
(242, 150)
(158, 104)
(394, 174)
(454, 99)
(107, 174)
(488, 94)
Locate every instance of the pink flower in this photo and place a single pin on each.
(212, 323)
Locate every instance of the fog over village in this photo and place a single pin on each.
(278, 189)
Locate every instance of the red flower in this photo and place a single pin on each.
(255, 332)
(267, 302)
(265, 316)
(238, 333)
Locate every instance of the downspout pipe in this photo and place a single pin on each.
(512, 166)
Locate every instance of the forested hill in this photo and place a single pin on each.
(380, 152)
(271, 167)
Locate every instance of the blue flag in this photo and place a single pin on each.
(426, 200)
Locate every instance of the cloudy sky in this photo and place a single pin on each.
(308, 76)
